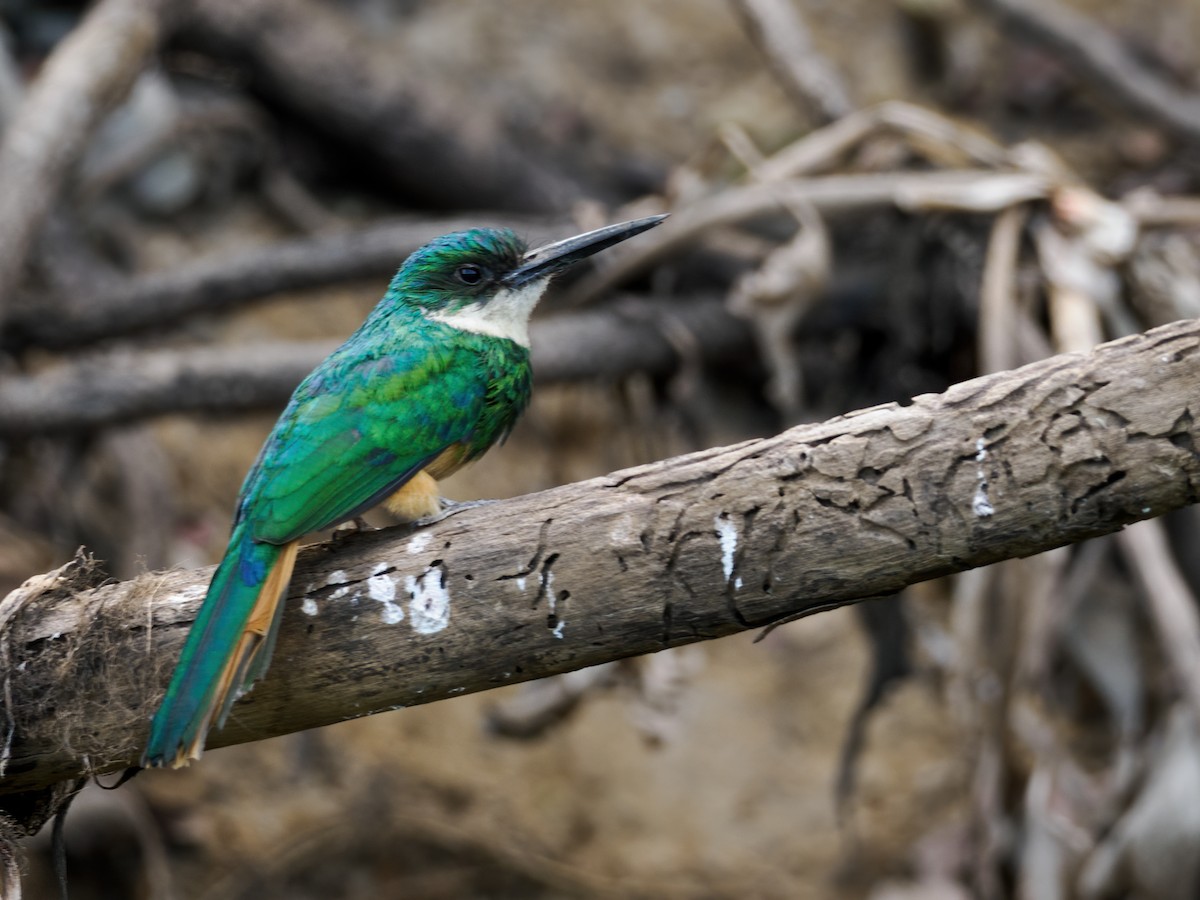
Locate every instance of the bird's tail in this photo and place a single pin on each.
(227, 649)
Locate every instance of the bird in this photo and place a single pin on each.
(437, 374)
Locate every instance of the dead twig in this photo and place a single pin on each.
(313, 59)
(808, 77)
(777, 295)
(89, 72)
(947, 141)
(997, 294)
(542, 704)
(970, 190)
(1155, 211)
(1171, 604)
(12, 87)
(163, 298)
(126, 385)
(1094, 51)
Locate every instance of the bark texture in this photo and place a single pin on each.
(687, 549)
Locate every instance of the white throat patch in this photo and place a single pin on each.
(506, 315)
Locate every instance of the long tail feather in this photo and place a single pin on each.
(249, 661)
(227, 649)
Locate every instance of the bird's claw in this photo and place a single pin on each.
(449, 508)
(351, 527)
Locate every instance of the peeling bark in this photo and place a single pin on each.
(686, 549)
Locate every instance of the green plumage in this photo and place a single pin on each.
(190, 705)
(437, 373)
(383, 408)
(403, 389)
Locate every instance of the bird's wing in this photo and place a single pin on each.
(354, 432)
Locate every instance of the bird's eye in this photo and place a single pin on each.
(469, 274)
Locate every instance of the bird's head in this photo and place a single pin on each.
(486, 280)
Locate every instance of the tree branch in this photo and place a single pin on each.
(1100, 56)
(213, 285)
(84, 77)
(809, 78)
(687, 549)
(964, 190)
(89, 393)
(315, 61)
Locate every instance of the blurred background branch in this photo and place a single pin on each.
(88, 74)
(107, 389)
(1095, 52)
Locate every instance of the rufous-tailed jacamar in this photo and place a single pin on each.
(437, 374)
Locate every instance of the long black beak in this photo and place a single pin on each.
(545, 261)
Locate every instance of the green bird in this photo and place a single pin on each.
(437, 374)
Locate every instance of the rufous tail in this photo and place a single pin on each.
(227, 649)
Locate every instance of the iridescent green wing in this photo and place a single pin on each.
(355, 431)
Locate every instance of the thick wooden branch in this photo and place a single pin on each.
(687, 549)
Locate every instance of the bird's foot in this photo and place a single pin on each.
(353, 526)
(449, 508)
